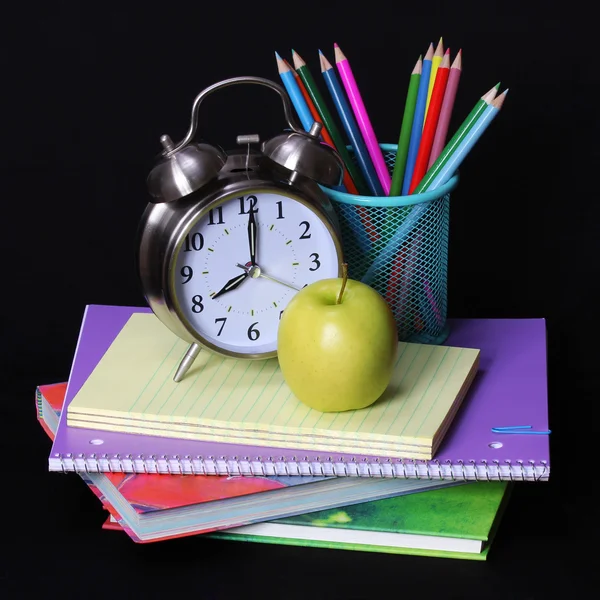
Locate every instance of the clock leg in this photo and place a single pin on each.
(186, 362)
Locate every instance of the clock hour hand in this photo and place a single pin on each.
(252, 231)
(232, 284)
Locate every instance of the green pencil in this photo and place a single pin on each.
(330, 125)
(458, 137)
(407, 119)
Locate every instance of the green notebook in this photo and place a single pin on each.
(237, 401)
(455, 522)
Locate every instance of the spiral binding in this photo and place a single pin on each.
(470, 470)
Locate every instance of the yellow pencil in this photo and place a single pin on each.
(435, 63)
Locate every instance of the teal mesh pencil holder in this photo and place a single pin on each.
(399, 246)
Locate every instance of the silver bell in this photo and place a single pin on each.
(179, 173)
(306, 155)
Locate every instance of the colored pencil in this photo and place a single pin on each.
(431, 121)
(338, 141)
(407, 121)
(350, 126)
(446, 111)
(347, 180)
(436, 61)
(469, 140)
(432, 303)
(303, 109)
(313, 110)
(399, 274)
(481, 105)
(364, 123)
(469, 132)
(417, 126)
(408, 257)
(289, 82)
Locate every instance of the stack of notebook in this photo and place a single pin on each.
(246, 459)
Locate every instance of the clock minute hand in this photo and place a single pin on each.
(252, 231)
(232, 284)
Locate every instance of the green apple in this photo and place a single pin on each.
(336, 344)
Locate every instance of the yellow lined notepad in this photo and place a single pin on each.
(248, 402)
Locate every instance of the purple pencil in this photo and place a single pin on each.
(439, 140)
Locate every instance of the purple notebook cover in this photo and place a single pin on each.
(510, 389)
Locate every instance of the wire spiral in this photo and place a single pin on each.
(460, 470)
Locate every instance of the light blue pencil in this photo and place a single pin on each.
(350, 126)
(418, 119)
(470, 140)
(456, 159)
(289, 82)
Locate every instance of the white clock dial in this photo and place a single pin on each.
(231, 302)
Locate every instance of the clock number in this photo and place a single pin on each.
(253, 334)
(211, 216)
(305, 235)
(222, 320)
(315, 259)
(186, 272)
(280, 313)
(252, 201)
(279, 209)
(197, 306)
(194, 242)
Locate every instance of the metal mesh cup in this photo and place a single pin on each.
(399, 246)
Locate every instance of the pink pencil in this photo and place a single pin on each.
(364, 123)
(439, 140)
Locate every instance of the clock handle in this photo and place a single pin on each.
(287, 106)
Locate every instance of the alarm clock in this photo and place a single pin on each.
(228, 238)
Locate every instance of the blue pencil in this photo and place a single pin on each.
(287, 77)
(350, 126)
(417, 124)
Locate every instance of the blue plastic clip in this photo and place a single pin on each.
(519, 429)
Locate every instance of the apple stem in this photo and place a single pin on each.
(344, 280)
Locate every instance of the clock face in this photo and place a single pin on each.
(241, 264)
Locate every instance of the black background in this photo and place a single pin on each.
(88, 88)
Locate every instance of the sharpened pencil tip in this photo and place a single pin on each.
(447, 51)
(418, 69)
(325, 64)
(335, 45)
(298, 60)
(497, 86)
(457, 64)
(499, 101)
(339, 55)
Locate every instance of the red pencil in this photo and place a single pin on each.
(433, 114)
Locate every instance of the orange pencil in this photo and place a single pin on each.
(348, 182)
(431, 121)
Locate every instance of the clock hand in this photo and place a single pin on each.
(256, 271)
(232, 284)
(252, 231)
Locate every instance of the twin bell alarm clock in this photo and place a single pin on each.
(228, 238)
